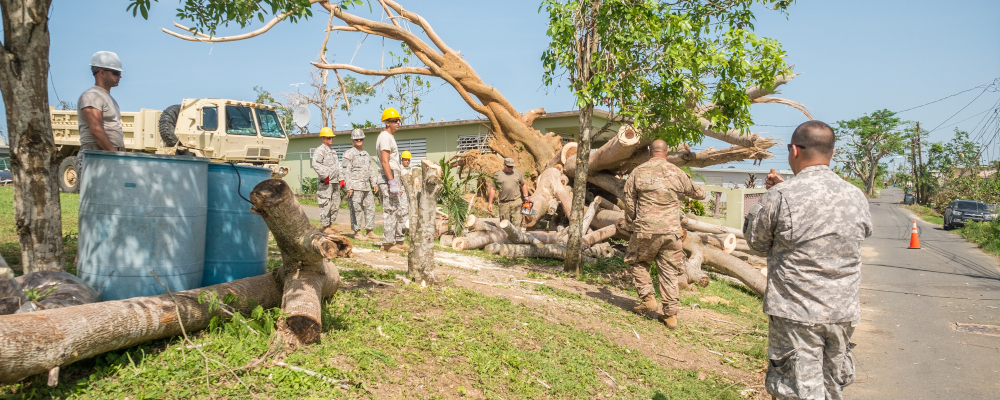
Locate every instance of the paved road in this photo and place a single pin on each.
(911, 300)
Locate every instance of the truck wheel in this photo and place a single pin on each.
(168, 121)
(69, 177)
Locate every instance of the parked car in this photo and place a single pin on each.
(960, 212)
(6, 178)
(909, 199)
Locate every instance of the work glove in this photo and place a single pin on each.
(326, 181)
(341, 183)
(393, 186)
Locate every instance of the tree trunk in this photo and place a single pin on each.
(515, 235)
(543, 195)
(724, 241)
(574, 244)
(303, 249)
(598, 236)
(33, 343)
(616, 150)
(742, 246)
(423, 212)
(34, 160)
(692, 265)
(750, 258)
(736, 268)
(472, 223)
(478, 241)
(588, 217)
(547, 237)
(695, 225)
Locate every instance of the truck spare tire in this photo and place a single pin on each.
(168, 122)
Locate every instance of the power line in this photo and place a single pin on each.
(987, 85)
(963, 108)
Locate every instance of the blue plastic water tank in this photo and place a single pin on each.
(236, 239)
(140, 213)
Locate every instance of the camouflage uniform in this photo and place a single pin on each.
(325, 163)
(511, 211)
(653, 207)
(811, 227)
(360, 177)
(394, 206)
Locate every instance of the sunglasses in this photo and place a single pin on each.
(394, 121)
(113, 72)
(796, 145)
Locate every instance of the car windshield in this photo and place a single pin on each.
(239, 121)
(269, 124)
(966, 205)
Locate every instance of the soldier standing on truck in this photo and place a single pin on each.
(100, 119)
(393, 212)
(326, 165)
(652, 203)
(361, 181)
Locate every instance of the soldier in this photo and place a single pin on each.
(513, 192)
(811, 228)
(326, 165)
(360, 178)
(393, 210)
(653, 207)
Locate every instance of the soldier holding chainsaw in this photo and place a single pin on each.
(513, 192)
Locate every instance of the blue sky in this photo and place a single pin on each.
(855, 56)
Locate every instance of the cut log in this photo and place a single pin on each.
(750, 258)
(606, 205)
(544, 194)
(742, 246)
(736, 268)
(609, 183)
(478, 241)
(692, 265)
(547, 237)
(473, 223)
(303, 248)
(599, 235)
(619, 148)
(588, 216)
(447, 239)
(34, 343)
(724, 241)
(696, 225)
(423, 188)
(606, 217)
(515, 235)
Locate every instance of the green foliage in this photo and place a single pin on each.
(925, 213)
(986, 235)
(10, 245)
(968, 187)
(408, 88)
(265, 97)
(651, 60)
(865, 141)
(33, 295)
(209, 15)
(959, 152)
(310, 185)
(453, 187)
(694, 207)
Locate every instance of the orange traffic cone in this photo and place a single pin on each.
(914, 237)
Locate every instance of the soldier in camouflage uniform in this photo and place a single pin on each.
(653, 208)
(811, 228)
(360, 178)
(391, 186)
(513, 193)
(326, 165)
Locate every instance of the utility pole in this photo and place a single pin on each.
(913, 163)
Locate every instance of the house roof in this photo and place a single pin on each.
(597, 112)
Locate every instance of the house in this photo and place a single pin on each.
(732, 177)
(433, 140)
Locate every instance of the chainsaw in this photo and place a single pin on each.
(528, 208)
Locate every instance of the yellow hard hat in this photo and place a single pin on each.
(326, 132)
(390, 113)
(406, 154)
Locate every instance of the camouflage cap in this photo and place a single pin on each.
(508, 162)
(357, 134)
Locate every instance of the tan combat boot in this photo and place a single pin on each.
(403, 245)
(391, 248)
(373, 236)
(670, 322)
(330, 230)
(649, 305)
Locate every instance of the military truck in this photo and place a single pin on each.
(222, 130)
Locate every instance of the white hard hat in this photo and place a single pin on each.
(106, 59)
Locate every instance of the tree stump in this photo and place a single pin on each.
(423, 188)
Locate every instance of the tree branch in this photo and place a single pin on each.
(373, 72)
(201, 37)
(794, 104)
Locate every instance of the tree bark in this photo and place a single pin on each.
(515, 235)
(695, 225)
(478, 241)
(724, 241)
(574, 244)
(616, 150)
(472, 223)
(33, 343)
(423, 186)
(736, 268)
(692, 265)
(588, 217)
(303, 250)
(598, 236)
(543, 195)
(34, 160)
(750, 258)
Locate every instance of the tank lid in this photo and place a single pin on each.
(124, 154)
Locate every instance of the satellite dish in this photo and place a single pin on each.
(301, 116)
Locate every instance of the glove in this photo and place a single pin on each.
(341, 183)
(393, 186)
(326, 181)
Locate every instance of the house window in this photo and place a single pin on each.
(474, 142)
(417, 147)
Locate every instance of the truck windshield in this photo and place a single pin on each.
(269, 124)
(965, 205)
(239, 121)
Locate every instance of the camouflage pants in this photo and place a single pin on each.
(667, 250)
(329, 203)
(394, 211)
(808, 361)
(511, 211)
(362, 210)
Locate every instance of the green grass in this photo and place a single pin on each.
(10, 246)
(985, 235)
(926, 213)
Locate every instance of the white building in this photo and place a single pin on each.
(734, 178)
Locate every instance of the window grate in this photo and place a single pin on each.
(474, 142)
